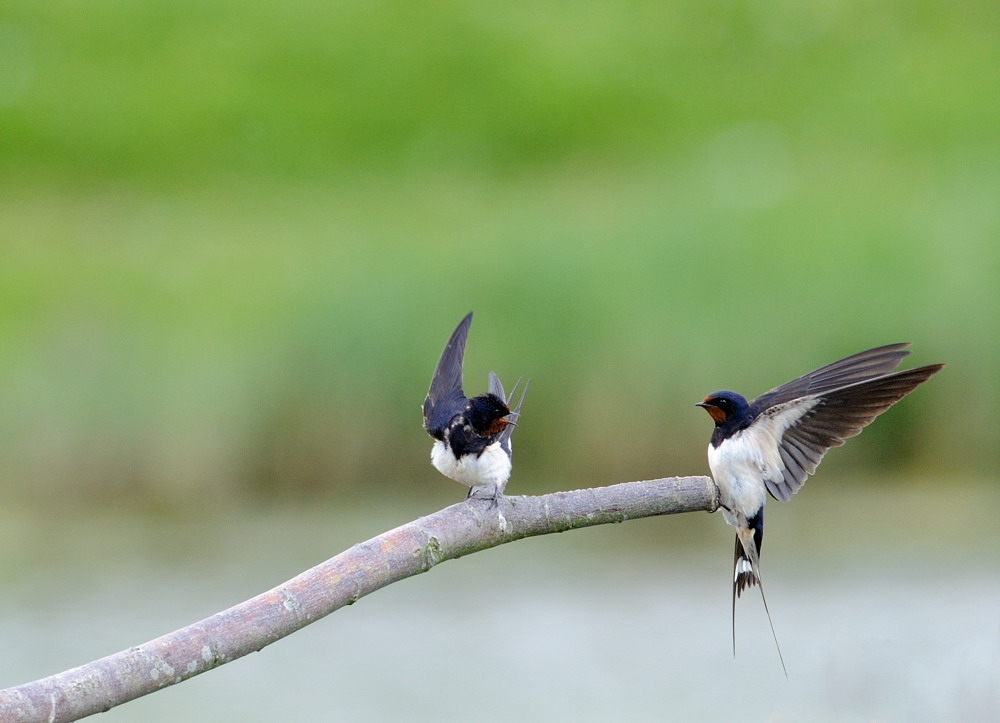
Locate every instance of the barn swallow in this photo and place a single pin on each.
(471, 436)
(775, 442)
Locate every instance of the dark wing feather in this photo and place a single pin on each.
(496, 388)
(515, 413)
(855, 368)
(445, 397)
(837, 415)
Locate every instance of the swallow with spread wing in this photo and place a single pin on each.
(773, 443)
(471, 436)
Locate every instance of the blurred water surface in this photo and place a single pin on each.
(884, 599)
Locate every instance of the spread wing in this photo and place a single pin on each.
(808, 426)
(497, 388)
(445, 397)
(855, 368)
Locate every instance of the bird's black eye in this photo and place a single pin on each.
(721, 402)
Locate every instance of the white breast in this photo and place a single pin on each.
(490, 469)
(742, 463)
(737, 468)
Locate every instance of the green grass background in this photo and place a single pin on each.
(234, 238)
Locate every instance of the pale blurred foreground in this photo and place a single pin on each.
(897, 621)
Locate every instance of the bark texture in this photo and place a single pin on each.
(410, 549)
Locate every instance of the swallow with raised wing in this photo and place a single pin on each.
(773, 443)
(471, 436)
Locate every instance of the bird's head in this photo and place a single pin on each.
(488, 414)
(727, 409)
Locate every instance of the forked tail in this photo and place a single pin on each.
(746, 572)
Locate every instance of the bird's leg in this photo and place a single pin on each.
(485, 492)
(493, 494)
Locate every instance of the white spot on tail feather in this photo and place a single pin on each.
(743, 567)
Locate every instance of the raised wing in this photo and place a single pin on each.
(858, 367)
(445, 397)
(497, 388)
(812, 424)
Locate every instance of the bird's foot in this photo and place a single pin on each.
(489, 493)
(492, 495)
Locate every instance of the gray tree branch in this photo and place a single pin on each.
(410, 549)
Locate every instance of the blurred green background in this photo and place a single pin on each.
(234, 239)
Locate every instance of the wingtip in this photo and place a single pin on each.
(447, 378)
(462, 329)
(524, 390)
(515, 413)
(898, 350)
(495, 386)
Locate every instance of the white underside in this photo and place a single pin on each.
(741, 463)
(738, 469)
(490, 469)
